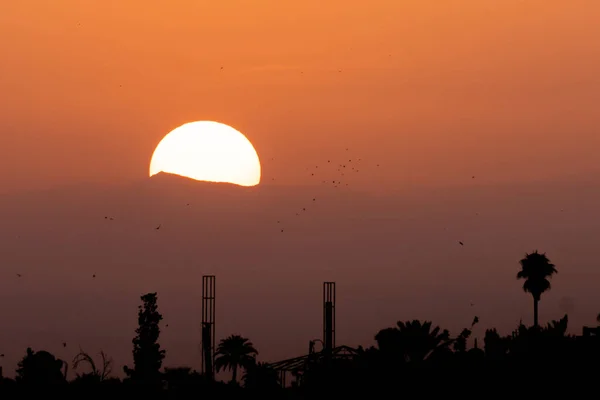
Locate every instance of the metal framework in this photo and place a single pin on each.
(329, 316)
(208, 325)
(298, 363)
(296, 366)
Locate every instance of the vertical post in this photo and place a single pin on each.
(282, 376)
(208, 325)
(328, 316)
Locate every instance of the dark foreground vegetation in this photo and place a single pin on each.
(411, 359)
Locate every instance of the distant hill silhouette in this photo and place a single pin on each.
(166, 178)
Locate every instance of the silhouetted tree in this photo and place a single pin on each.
(147, 354)
(40, 367)
(536, 269)
(96, 374)
(412, 341)
(233, 352)
(182, 381)
(495, 346)
(389, 342)
(261, 377)
(6, 384)
(558, 328)
(460, 342)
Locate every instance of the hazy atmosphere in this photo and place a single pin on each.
(466, 132)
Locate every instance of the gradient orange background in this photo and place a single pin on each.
(435, 91)
(439, 90)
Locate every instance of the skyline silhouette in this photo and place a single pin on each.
(416, 349)
(436, 160)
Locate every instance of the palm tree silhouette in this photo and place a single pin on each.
(536, 269)
(421, 339)
(233, 352)
(412, 341)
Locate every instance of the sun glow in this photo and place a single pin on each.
(207, 151)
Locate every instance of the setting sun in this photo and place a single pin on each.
(207, 151)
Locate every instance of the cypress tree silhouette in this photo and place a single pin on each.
(147, 354)
(536, 269)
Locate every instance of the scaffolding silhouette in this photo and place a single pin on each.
(299, 365)
(328, 316)
(208, 325)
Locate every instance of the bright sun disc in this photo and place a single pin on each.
(207, 151)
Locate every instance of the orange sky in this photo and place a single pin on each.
(438, 90)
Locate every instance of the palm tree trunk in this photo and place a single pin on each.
(535, 312)
(234, 374)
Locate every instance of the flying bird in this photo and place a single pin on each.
(461, 243)
(158, 227)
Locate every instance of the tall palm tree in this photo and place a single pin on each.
(536, 269)
(233, 352)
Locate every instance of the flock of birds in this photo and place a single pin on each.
(342, 173)
(333, 173)
(340, 178)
